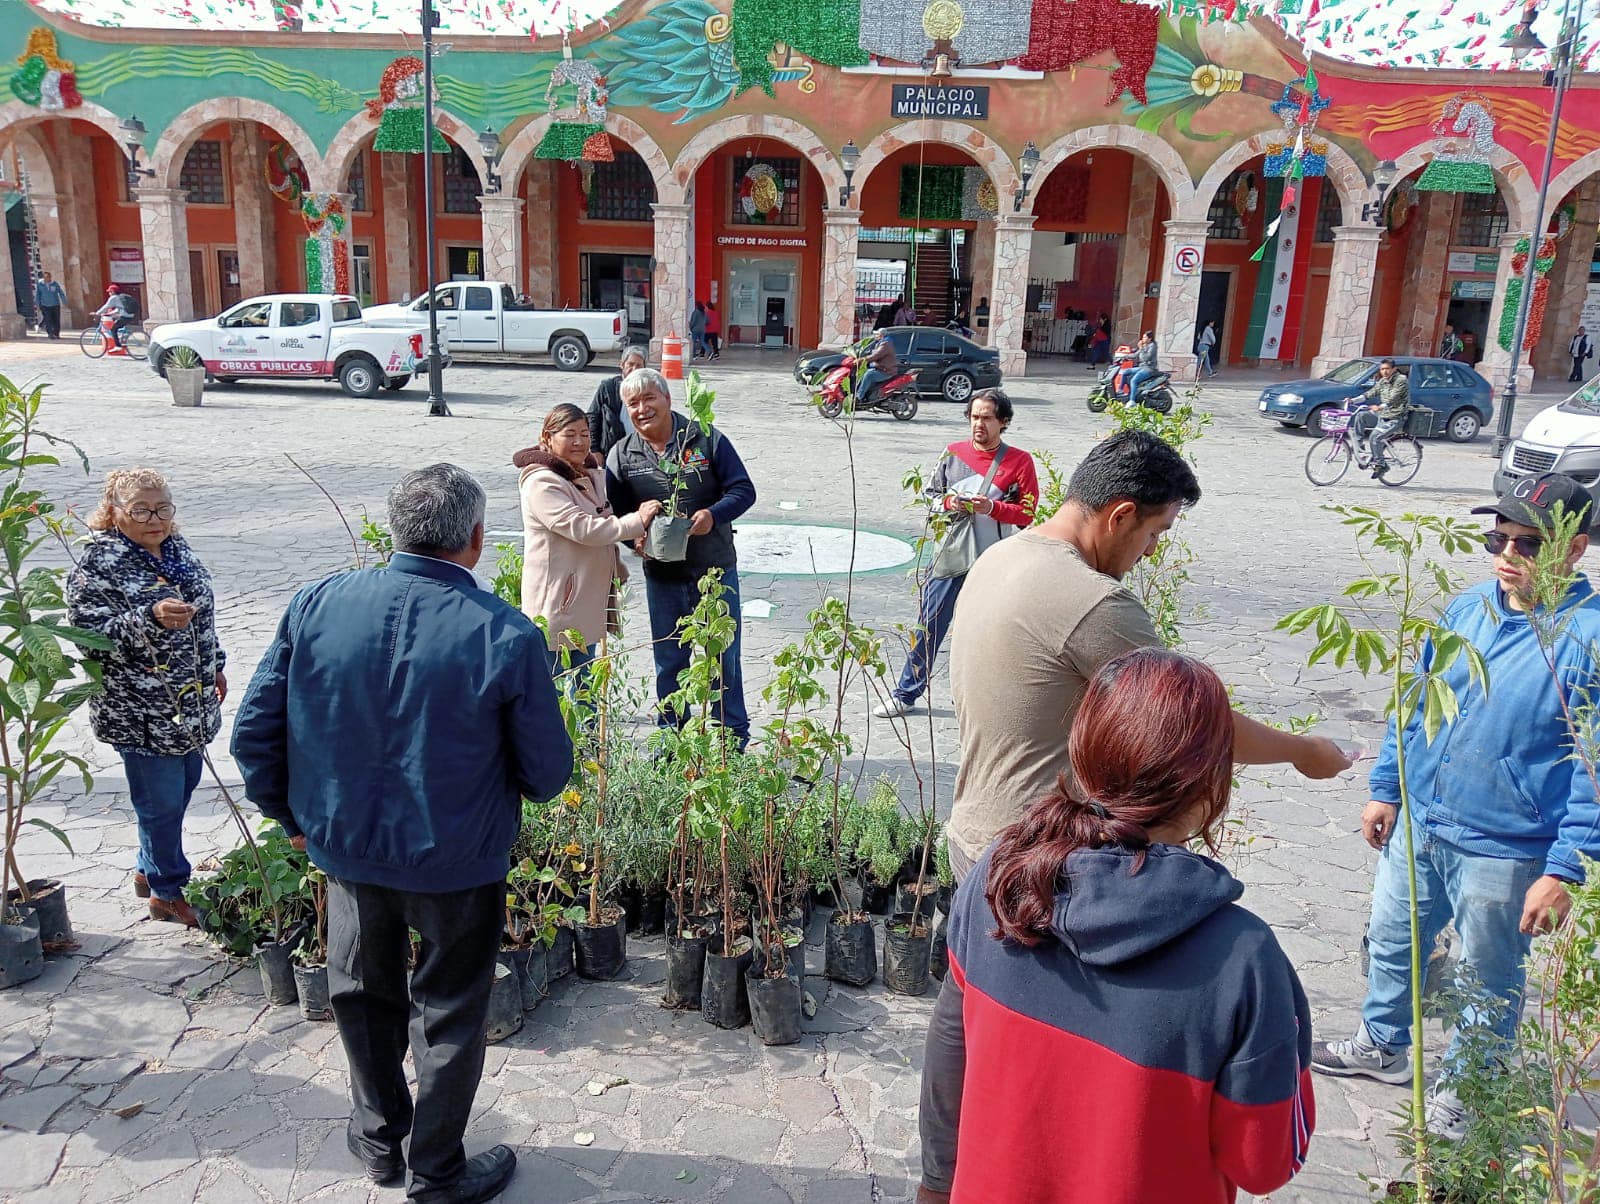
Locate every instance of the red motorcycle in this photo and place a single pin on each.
(835, 389)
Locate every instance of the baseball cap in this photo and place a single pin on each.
(1531, 501)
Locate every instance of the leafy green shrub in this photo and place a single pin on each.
(235, 902)
(886, 835)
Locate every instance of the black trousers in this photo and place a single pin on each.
(1577, 368)
(50, 320)
(444, 1012)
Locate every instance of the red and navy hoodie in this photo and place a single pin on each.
(1156, 1052)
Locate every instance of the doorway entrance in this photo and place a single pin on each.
(611, 281)
(228, 278)
(463, 263)
(1469, 314)
(763, 301)
(1213, 307)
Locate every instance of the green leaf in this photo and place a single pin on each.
(34, 821)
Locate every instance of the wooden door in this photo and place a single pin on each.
(228, 278)
(197, 284)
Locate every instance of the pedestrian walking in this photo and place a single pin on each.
(394, 726)
(570, 562)
(714, 489)
(1502, 811)
(1580, 349)
(1451, 346)
(1097, 963)
(713, 331)
(1205, 351)
(141, 586)
(608, 420)
(49, 297)
(697, 331)
(985, 490)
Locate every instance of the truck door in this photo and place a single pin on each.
(300, 340)
(244, 340)
(478, 322)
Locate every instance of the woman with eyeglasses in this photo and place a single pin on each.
(141, 586)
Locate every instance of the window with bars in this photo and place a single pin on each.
(764, 192)
(622, 191)
(203, 177)
(1482, 220)
(356, 184)
(461, 184)
(1330, 212)
(1227, 222)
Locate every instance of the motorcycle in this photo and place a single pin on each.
(1155, 391)
(836, 388)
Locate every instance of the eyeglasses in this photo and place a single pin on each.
(1527, 546)
(143, 514)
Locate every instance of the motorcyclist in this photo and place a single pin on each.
(881, 364)
(1124, 361)
(120, 306)
(1145, 366)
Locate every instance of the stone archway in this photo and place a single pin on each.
(334, 165)
(1156, 153)
(1346, 176)
(750, 125)
(1511, 174)
(185, 129)
(985, 151)
(518, 153)
(1573, 176)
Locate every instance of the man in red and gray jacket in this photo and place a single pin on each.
(996, 487)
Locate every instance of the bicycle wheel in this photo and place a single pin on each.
(1404, 459)
(90, 342)
(138, 344)
(1328, 460)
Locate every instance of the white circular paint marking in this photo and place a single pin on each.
(802, 550)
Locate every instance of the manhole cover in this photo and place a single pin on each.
(802, 550)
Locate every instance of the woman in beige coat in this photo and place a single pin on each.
(570, 536)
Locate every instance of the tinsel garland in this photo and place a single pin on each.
(989, 31)
(941, 191)
(1450, 175)
(314, 264)
(1064, 197)
(1066, 32)
(828, 31)
(1541, 294)
(980, 202)
(597, 149)
(566, 140)
(400, 130)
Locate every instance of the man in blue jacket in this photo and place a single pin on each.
(1501, 809)
(396, 722)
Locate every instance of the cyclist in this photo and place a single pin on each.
(120, 306)
(1380, 421)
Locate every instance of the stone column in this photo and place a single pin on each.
(1426, 260)
(1344, 321)
(400, 267)
(1133, 268)
(502, 238)
(12, 324)
(259, 271)
(57, 244)
(164, 222)
(842, 238)
(1495, 366)
(670, 283)
(1008, 294)
(80, 269)
(541, 242)
(1569, 288)
(981, 265)
(1180, 295)
(344, 244)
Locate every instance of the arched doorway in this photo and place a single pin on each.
(1572, 294)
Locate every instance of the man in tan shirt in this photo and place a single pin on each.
(1043, 611)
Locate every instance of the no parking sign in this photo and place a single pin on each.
(1186, 259)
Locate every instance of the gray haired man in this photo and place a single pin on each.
(396, 722)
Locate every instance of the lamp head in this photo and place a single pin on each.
(133, 132)
(849, 156)
(1383, 175)
(1030, 162)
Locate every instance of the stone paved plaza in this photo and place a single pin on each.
(146, 1066)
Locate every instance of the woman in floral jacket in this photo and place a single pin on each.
(140, 585)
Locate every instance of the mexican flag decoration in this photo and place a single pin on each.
(947, 193)
(980, 200)
(972, 32)
(398, 109)
(1298, 108)
(43, 78)
(761, 194)
(1274, 331)
(1541, 293)
(570, 140)
(327, 250)
(1463, 148)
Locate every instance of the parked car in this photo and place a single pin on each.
(947, 365)
(487, 319)
(297, 336)
(1563, 438)
(1460, 397)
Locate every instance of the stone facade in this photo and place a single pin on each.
(502, 215)
(1423, 291)
(982, 270)
(164, 222)
(670, 282)
(1133, 269)
(541, 249)
(1344, 321)
(1180, 297)
(843, 232)
(1569, 287)
(253, 219)
(399, 250)
(1008, 298)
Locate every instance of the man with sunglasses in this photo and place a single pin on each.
(1500, 808)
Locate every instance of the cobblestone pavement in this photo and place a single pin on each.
(238, 1101)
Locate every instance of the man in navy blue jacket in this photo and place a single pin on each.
(1501, 809)
(395, 724)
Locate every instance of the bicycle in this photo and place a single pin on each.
(1331, 456)
(92, 343)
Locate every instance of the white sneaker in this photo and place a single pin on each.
(1358, 1057)
(895, 708)
(1445, 1117)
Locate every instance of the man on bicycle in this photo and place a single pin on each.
(1380, 422)
(120, 306)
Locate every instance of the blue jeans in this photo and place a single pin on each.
(701, 347)
(160, 788)
(937, 608)
(870, 380)
(669, 601)
(1136, 378)
(1484, 896)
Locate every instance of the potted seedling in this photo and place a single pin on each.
(256, 901)
(907, 937)
(311, 957)
(939, 957)
(668, 536)
(186, 375)
(602, 936)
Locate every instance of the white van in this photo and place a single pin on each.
(1564, 438)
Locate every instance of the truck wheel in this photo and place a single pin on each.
(360, 377)
(395, 383)
(227, 380)
(569, 353)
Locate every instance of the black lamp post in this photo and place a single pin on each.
(1028, 164)
(489, 144)
(133, 132)
(1382, 176)
(849, 156)
(436, 403)
(1522, 42)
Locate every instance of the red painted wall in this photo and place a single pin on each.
(577, 235)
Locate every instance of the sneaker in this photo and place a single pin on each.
(1378, 470)
(1445, 1117)
(1356, 1057)
(895, 708)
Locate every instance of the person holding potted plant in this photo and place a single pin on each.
(693, 471)
(140, 585)
(570, 536)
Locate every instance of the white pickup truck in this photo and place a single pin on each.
(298, 336)
(486, 320)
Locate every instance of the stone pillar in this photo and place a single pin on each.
(1133, 268)
(1426, 260)
(1496, 364)
(982, 269)
(1569, 288)
(502, 238)
(164, 222)
(541, 242)
(12, 324)
(57, 239)
(80, 269)
(1180, 295)
(670, 283)
(842, 238)
(401, 270)
(259, 271)
(1344, 321)
(1008, 294)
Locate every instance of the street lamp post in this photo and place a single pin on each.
(436, 404)
(1522, 42)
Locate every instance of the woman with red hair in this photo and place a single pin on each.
(1114, 1028)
